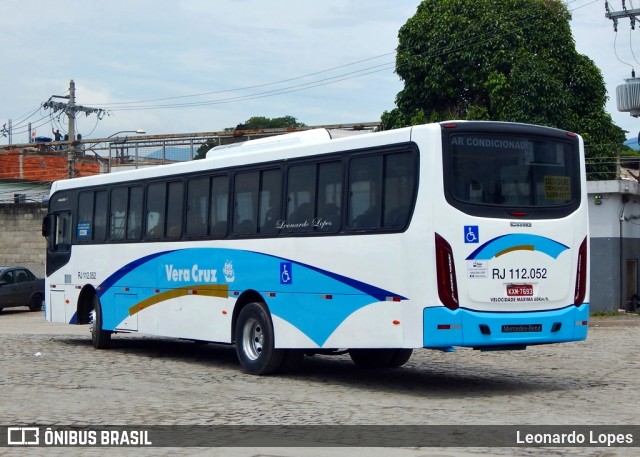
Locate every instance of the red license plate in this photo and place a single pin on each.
(520, 290)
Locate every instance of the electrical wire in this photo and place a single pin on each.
(454, 46)
(615, 51)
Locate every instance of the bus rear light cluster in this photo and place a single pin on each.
(449, 327)
(446, 274)
(581, 275)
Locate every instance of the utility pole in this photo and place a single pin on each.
(71, 114)
(70, 109)
(632, 14)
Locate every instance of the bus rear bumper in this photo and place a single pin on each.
(445, 328)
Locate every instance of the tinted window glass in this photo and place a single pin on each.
(301, 198)
(156, 194)
(100, 216)
(174, 210)
(219, 206)
(270, 197)
(399, 185)
(84, 229)
(512, 171)
(329, 211)
(134, 215)
(365, 187)
(197, 206)
(118, 213)
(245, 213)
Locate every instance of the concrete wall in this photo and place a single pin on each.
(21, 238)
(614, 225)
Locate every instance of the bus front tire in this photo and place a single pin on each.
(255, 341)
(101, 339)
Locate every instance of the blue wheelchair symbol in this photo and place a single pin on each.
(285, 273)
(471, 234)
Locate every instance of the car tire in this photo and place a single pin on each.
(35, 303)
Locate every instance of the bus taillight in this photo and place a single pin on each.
(581, 275)
(446, 274)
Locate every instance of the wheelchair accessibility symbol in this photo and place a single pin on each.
(471, 234)
(285, 273)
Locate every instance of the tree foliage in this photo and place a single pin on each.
(253, 123)
(261, 122)
(506, 60)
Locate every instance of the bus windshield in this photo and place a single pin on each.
(512, 170)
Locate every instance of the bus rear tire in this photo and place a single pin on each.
(372, 358)
(101, 339)
(255, 341)
(400, 357)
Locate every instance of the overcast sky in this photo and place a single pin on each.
(323, 61)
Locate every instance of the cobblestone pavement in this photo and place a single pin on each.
(51, 375)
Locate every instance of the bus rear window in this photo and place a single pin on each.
(512, 171)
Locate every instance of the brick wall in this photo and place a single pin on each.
(46, 168)
(21, 240)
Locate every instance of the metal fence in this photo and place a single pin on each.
(132, 151)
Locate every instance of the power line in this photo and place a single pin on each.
(453, 46)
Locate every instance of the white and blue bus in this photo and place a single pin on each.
(469, 234)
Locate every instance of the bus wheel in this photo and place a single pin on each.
(400, 357)
(101, 339)
(372, 358)
(255, 342)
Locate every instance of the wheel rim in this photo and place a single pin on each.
(92, 321)
(253, 339)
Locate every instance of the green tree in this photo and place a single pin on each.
(201, 153)
(261, 122)
(506, 60)
(253, 123)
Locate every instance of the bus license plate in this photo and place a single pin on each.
(520, 290)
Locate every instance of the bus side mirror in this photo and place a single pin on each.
(46, 225)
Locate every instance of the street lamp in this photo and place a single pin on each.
(127, 131)
(139, 131)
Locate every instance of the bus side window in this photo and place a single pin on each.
(399, 180)
(219, 206)
(118, 213)
(100, 216)
(174, 209)
(301, 185)
(365, 179)
(155, 210)
(62, 241)
(329, 197)
(245, 200)
(134, 215)
(270, 196)
(197, 204)
(84, 232)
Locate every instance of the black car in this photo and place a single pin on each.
(20, 287)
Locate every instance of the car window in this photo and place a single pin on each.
(21, 276)
(8, 277)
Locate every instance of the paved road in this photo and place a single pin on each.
(51, 375)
